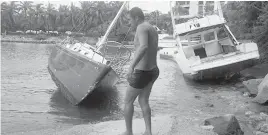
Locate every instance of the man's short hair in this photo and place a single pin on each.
(136, 12)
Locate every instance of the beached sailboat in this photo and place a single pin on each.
(79, 68)
(212, 51)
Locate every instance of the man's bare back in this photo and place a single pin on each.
(148, 61)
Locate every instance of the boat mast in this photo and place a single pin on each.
(204, 9)
(103, 39)
(172, 18)
(219, 9)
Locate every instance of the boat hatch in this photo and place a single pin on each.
(208, 43)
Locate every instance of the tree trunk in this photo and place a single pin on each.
(72, 16)
(12, 21)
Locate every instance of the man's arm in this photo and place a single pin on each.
(142, 34)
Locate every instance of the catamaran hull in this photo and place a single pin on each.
(78, 76)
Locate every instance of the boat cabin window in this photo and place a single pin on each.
(224, 40)
(221, 34)
(209, 7)
(181, 9)
(196, 38)
(200, 9)
(209, 36)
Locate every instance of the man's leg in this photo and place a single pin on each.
(131, 95)
(146, 110)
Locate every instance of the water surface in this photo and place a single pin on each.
(31, 100)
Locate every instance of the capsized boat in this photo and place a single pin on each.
(79, 68)
(212, 50)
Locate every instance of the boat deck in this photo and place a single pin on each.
(222, 60)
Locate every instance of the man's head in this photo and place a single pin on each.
(136, 17)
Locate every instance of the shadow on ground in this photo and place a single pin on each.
(100, 105)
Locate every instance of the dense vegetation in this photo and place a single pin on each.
(91, 18)
(249, 20)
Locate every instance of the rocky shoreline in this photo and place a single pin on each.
(43, 39)
(30, 39)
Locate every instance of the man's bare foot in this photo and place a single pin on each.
(127, 133)
(147, 133)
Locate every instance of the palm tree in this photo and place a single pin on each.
(31, 13)
(86, 14)
(39, 20)
(25, 6)
(72, 15)
(62, 19)
(51, 17)
(10, 10)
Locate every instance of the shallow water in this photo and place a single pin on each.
(31, 100)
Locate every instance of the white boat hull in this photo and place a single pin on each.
(206, 46)
(220, 66)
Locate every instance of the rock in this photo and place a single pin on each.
(260, 133)
(262, 95)
(256, 118)
(249, 113)
(208, 127)
(263, 127)
(209, 105)
(263, 83)
(264, 116)
(197, 96)
(242, 90)
(225, 125)
(252, 85)
(239, 85)
(247, 77)
(246, 94)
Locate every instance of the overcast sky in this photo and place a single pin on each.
(149, 5)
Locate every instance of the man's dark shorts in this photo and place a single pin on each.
(140, 78)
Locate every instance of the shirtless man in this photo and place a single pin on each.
(143, 70)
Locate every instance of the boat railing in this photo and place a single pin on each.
(118, 55)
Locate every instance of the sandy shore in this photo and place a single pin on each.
(161, 125)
